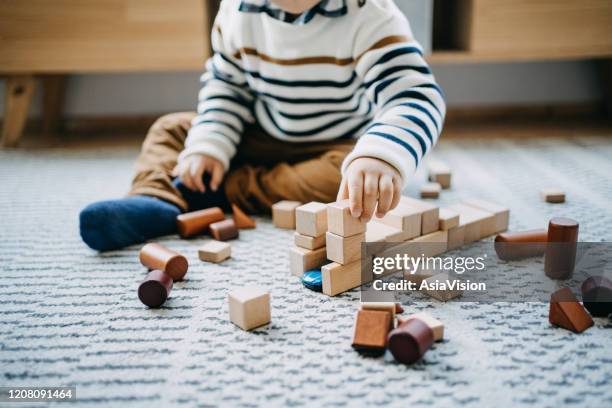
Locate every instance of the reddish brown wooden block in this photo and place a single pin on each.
(197, 222)
(155, 289)
(156, 256)
(224, 230)
(242, 220)
(565, 311)
(518, 245)
(410, 341)
(371, 329)
(560, 256)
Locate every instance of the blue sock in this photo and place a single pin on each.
(114, 224)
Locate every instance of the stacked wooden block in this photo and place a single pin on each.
(329, 232)
(309, 251)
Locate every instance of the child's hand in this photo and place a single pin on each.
(370, 183)
(191, 171)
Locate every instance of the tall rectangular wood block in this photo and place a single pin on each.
(283, 214)
(344, 250)
(430, 214)
(456, 237)
(304, 241)
(341, 222)
(249, 307)
(339, 278)
(404, 218)
(311, 219)
(302, 260)
(501, 214)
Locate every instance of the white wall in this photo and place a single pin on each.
(465, 85)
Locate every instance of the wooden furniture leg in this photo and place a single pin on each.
(18, 95)
(53, 103)
(605, 73)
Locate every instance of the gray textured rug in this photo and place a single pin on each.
(71, 317)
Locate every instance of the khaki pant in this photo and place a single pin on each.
(264, 171)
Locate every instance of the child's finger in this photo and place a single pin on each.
(343, 190)
(397, 193)
(216, 176)
(355, 189)
(385, 195)
(186, 180)
(197, 175)
(370, 196)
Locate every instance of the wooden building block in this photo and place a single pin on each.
(242, 220)
(371, 330)
(304, 241)
(430, 214)
(431, 190)
(224, 230)
(155, 289)
(478, 224)
(438, 287)
(214, 251)
(597, 295)
(410, 341)
(456, 237)
(339, 278)
(560, 254)
(404, 218)
(379, 232)
(428, 245)
(156, 256)
(553, 195)
(311, 219)
(249, 307)
(448, 219)
(302, 260)
(390, 307)
(197, 222)
(565, 311)
(341, 222)
(440, 173)
(501, 214)
(283, 214)
(436, 326)
(344, 250)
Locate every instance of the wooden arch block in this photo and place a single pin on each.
(565, 311)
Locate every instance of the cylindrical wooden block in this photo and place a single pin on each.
(409, 342)
(597, 296)
(518, 245)
(561, 248)
(156, 256)
(155, 289)
(197, 222)
(224, 230)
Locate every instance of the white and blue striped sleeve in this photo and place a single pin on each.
(410, 105)
(224, 103)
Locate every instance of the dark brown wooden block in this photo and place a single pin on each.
(156, 256)
(371, 329)
(224, 230)
(518, 245)
(597, 295)
(561, 248)
(409, 342)
(197, 222)
(565, 311)
(155, 289)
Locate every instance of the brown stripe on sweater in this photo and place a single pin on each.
(319, 59)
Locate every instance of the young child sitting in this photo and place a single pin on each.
(305, 100)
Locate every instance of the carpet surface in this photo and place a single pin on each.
(70, 316)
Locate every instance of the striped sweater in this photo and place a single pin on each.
(346, 70)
